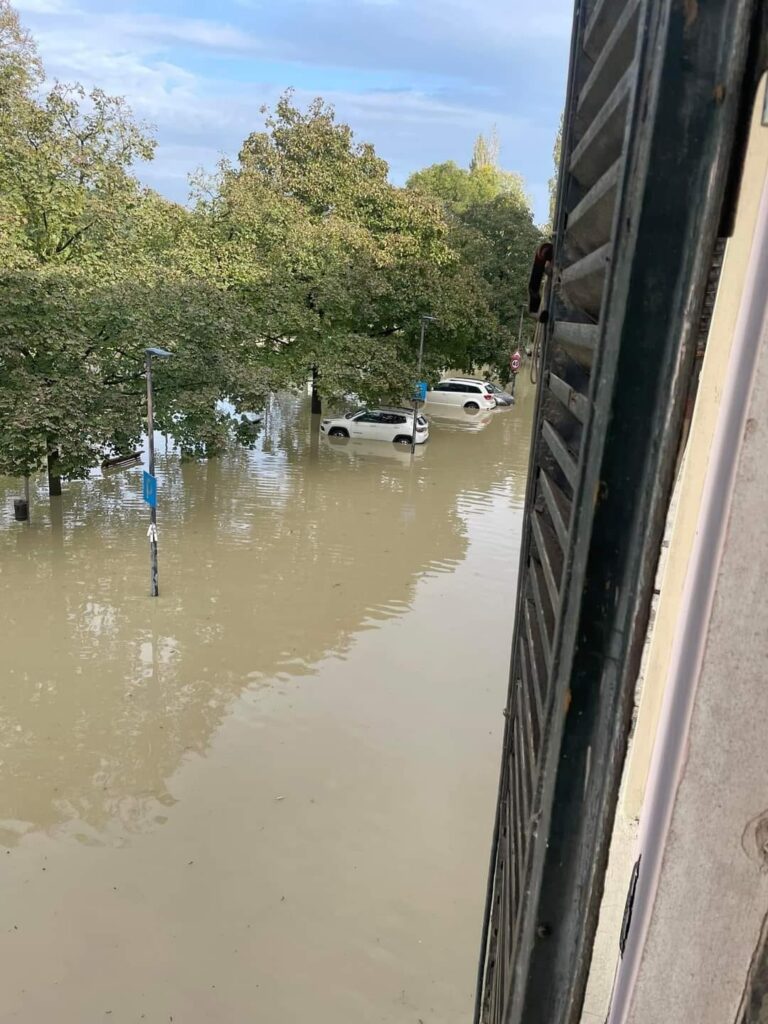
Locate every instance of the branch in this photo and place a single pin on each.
(73, 238)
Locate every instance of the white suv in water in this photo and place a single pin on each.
(378, 425)
(468, 394)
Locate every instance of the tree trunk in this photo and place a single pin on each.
(54, 477)
(317, 405)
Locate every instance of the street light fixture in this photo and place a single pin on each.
(425, 319)
(158, 353)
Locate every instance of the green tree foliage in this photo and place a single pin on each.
(64, 167)
(338, 263)
(93, 268)
(459, 187)
(556, 154)
(301, 256)
(20, 72)
(485, 152)
(493, 230)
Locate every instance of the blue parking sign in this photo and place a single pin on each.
(150, 489)
(421, 391)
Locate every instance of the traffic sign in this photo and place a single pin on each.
(150, 489)
(421, 391)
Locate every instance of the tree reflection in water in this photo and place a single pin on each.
(271, 560)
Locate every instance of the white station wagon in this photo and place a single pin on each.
(378, 425)
(468, 394)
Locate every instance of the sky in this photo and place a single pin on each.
(417, 78)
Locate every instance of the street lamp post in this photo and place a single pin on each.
(520, 328)
(158, 353)
(425, 319)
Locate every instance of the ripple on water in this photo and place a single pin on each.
(319, 683)
(272, 559)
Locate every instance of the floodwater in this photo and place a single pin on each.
(267, 795)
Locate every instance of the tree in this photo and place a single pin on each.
(337, 263)
(494, 233)
(66, 194)
(64, 169)
(20, 66)
(486, 152)
(556, 155)
(93, 268)
(72, 351)
(300, 257)
(20, 72)
(460, 188)
(498, 238)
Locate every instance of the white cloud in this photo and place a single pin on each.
(506, 19)
(199, 115)
(42, 7)
(199, 32)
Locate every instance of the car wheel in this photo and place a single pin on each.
(472, 405)
(402, 439)
(338, 432)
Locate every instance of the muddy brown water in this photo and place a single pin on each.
(267, 795)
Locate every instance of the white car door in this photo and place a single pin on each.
(441, 394)
(369, 425)
(458, 395)
(473, 393)
(396, 425)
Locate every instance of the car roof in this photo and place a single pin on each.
(465, 380)
(400, 410)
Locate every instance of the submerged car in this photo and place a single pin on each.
(501, 396)
(468, 394)
(394, 425)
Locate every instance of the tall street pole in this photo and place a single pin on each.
(424, 321)
(520, 328)
(161, 353)
(418, 375)
(153, 587)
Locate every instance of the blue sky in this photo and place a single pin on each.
(417, 78)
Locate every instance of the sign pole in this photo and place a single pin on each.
(152, 532)
(515, 363)
(418, 374)
(520, 328)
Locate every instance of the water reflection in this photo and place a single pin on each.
(271, 560)
(461, 419)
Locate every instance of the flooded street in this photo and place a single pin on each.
(268, 795)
